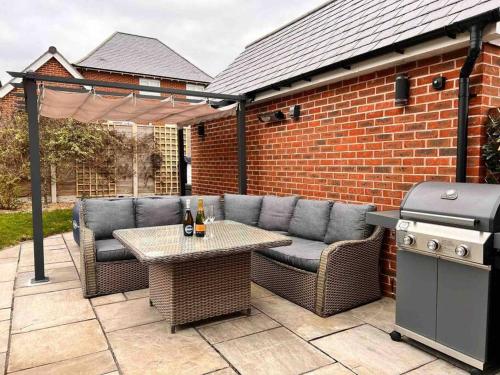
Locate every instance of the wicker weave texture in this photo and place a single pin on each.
(200, 289)
(291, 283)
(348, 274)
(122, 276)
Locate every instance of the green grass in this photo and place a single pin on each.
(16, 226)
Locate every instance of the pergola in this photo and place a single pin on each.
(121, 105)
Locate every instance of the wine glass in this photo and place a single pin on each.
(209, 219)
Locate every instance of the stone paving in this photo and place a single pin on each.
(51, 329)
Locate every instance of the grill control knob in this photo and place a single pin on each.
(462, 250)
(409, 239)
(433, 245)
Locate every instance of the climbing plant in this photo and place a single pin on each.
(491, 149)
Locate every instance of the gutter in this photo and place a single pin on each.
(476, 41)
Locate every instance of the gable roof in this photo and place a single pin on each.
(340, 31)
(37, 64)
(141, 55)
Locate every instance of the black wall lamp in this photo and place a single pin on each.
(402, 88)
(271, 116)
(201, 130)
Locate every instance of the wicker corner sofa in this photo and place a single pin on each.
(331, 266)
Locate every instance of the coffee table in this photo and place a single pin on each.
(192, 278)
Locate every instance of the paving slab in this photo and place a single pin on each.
(4, 335)
(234, 328)
(52, 256)
(91, 364)
(5, 314)
(45, 310)
(368, 350)
(134, 294)
(260, 292)
(3, 358)
(48, 287)
(110, 298)
(10, 252)
(334, 369)
(303, 322)
(152, 346)
(48, 266)
(6, 291)
(50, 345)
(8, 267)
(224, 371)
(277, 351)
(381, 314)
(127, 314)
(438, 367)
(55, 275)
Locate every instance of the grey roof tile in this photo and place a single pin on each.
(335, 32)
(141, 55)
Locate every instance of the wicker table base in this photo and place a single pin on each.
(193, 290)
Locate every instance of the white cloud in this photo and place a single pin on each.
(210, 33)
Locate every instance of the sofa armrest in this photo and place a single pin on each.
(87, 259)
(348, 274)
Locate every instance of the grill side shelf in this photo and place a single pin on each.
(385, 219)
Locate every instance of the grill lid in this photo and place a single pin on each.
(467, 205)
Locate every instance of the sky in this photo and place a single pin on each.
(209, 33)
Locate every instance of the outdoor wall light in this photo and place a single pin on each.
(402, 88)
(271, 116)
(294, 112)
(201, 130)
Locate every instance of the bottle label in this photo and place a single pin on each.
(200, 227)
(188, 229)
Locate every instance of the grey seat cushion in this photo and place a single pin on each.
(302, 253)
(276, 212)
(155, 211)
(242, 208)
(111, 250)
(208, 200)
(348, 222)
(310, 219)
(103, 216)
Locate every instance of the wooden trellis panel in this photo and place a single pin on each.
(167, 177)
(89, 183)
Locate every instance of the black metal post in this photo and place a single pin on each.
(36, 180)
(182, 161)
(242, 149)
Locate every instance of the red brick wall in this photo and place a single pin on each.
(352, 143)
(51, 67)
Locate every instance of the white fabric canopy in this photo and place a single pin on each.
(90, 107)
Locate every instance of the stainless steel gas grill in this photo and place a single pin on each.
(448, 269)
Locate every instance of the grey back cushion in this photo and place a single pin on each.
(242, 208)
(155, 211)
(276, 212)
(310, 219)
(208, 200)
(348, 222)
(103, 216)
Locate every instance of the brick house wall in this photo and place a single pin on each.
(51, 67)
(352, 143)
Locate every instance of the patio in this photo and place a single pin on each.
(51, 329)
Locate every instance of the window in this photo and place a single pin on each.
(194, 87)
(149, 82)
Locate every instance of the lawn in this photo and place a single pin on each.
(16, 226)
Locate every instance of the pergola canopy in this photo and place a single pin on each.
(89, 107)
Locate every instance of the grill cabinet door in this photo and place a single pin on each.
(416, 293)
(462, 308)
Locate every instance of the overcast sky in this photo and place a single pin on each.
(210, 33)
